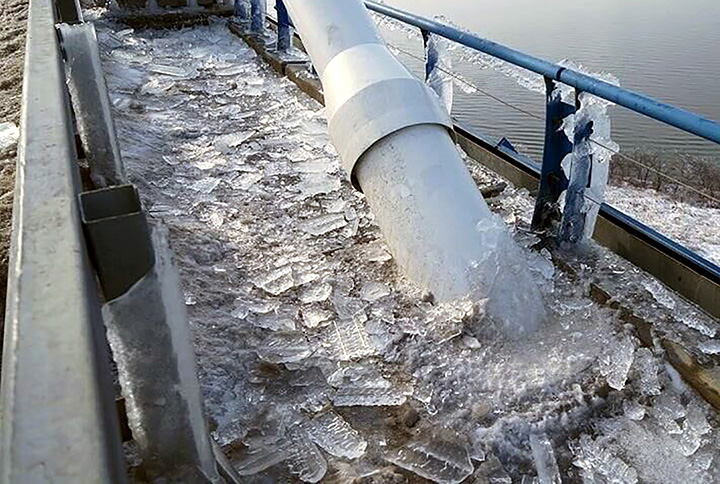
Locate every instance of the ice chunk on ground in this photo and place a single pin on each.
(598, 464)
(205, 185)
(284, 347)
(544, 457)
(331, 432)
(305, 458)
(227, 142)
(694, 428)
(435, 459)
(647, 369)
(324, 224)
(659, 292)
(347, 339)
(667, 409)
(710, 347)
(315, 293)
(615, 363)
(314, 316)
(360, 396)
(277, 280)
(372, 291)
(633, 410)
(9, 135)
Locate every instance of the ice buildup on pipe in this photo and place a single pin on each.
(392, 134)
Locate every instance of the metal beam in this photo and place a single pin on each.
(58, 417)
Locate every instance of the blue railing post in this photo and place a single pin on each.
(284, 35)
(241, 10)
(553, 180)
(258, 11)
(572, 227)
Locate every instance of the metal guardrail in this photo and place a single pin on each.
(57, 401)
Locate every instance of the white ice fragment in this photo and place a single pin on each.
(438, 460)
(277, 280)
(347, 339)
(659, 293)
(315, 184)
(331, 432)
(694, 321)
(633, 410)
(710, 347)
(675, 379)
(471, 342)
(376, 252)
(231, 70)
(304, 457)
(325, 223)
(314, 316)
(544, 457)
(172, 71)
(615, 362)
(284, 347)
(372, 291)
(9, 135)
(313, 167)
(599, 465)
(246, 180)
(352, 396)
(694, 428)
(205, 185)
(227, 142)
(315, 293)
(647, 370)
(667, 409)
(260, 458)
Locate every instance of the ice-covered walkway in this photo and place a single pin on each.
(317, 360)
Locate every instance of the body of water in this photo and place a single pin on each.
(666, 49)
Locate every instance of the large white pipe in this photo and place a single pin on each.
(393, 137)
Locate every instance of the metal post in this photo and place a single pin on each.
(284, 35)
(241, 10)
(258, 11)
(572, 228)
(557, 146)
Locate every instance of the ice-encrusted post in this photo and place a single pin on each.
(241, 10)
(91, 103)
(557, 146)
(148, 332)
(437, 61)
(258, 11)
(284, 33)
(589, 165)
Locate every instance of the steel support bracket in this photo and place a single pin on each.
(553, 180)
(117, 236)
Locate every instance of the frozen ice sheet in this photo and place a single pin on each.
(272, 237)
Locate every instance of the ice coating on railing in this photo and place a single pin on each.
(438, 64)
(148, 332)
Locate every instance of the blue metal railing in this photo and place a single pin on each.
(679, 118)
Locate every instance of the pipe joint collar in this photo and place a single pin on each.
(370, 95)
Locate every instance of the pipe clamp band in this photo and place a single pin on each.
(384, 98)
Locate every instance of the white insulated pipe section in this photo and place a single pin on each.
(392, 136)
